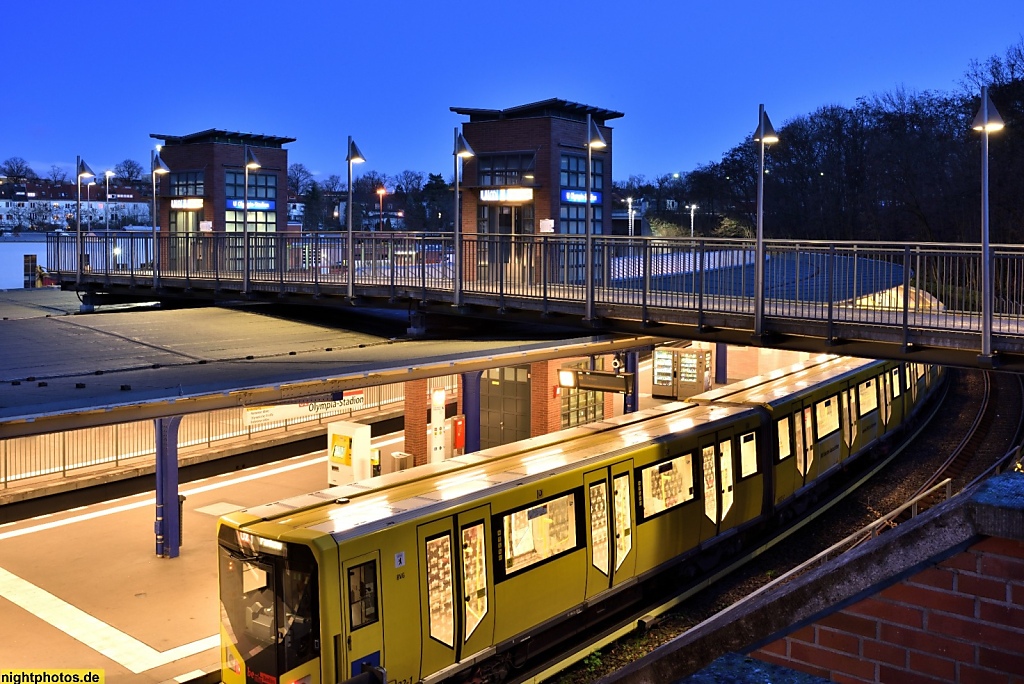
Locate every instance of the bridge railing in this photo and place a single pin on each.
(922, 286)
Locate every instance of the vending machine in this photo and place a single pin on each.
(680, 372)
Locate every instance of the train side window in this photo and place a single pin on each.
(785, 440)
(748, 454)
(362, 594)
(868, 397)
(439, 589)
(599, 524)
(665, 485)
(897, 383)
(827, 414)
(534, 534)
(474, 572)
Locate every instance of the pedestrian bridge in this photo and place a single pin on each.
(920, 302)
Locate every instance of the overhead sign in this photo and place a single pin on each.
(255, 416)
(187, 203)
(580, 196)
(506, 195)
(597, 381)
(254, 205)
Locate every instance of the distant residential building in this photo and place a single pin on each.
(41, 204)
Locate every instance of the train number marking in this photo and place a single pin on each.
(400, 559)
(400, 576)
(540, 493)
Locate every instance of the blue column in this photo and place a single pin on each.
(168, 517)
(631, 400)
(471, 408)
(721, 363)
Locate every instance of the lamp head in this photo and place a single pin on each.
(83, 170)
(987, 119)
(462, 148)
(109, 174)
(765, 131)
(354, 155)
(251, 162)
(158, 165)
(381, 192)
(594, 137)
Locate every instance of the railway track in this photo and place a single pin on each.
(977, 422)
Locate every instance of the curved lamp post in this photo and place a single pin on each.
(352, 156)
(251, 163)
(986, 120)
(594, 140)
(380, 193)
(764, 135)
(82, 170)
(461, 149)
(157, 166)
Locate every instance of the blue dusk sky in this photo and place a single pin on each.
(96, 79)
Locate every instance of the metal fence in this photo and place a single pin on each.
(921, 286)
(61, 454)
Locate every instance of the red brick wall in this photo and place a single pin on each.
(416, 420)
(959, 621)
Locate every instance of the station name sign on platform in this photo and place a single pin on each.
(256, 416)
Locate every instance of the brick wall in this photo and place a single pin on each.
(961, 620)
(416, 420)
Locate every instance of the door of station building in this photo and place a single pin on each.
(504, 405)
(508, 255)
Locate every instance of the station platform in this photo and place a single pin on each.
(84, 589)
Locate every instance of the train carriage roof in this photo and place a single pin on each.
(345, 518)
(783, 389)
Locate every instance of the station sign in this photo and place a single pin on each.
(254, 205)
(187, 203)
(580, 196)
(597, 381)
(257, 416)
(506, 195)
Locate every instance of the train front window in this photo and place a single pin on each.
(268, 603)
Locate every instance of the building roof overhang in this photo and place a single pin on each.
(217, 135)
(552, 107)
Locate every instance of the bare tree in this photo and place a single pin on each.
(57, 175)
(411, 181)
(129, 170)
(299, 178)
(333, 184)
(17, 168)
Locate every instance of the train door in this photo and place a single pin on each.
(849, 408)
(456, 589)
(785, 471)
(803, 433)
(364, 628)
(709, 480)
(885, 392)
(476, 581)
(726, 482)
(611, 557)
(899, 393)
(623, 556)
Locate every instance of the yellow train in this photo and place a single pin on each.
(480, 562)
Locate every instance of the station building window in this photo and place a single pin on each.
(574, 173)
(504, 169)
(187, 184)
(580, 407)
(262, 186)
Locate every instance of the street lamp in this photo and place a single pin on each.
(692, 208)
(764, 135)
(594, 139)
(82, 170)
(380, 193)
(250, 163)
(106, 201)
(352, 156)
(986, 120)
(157, 166)
(461, 149)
